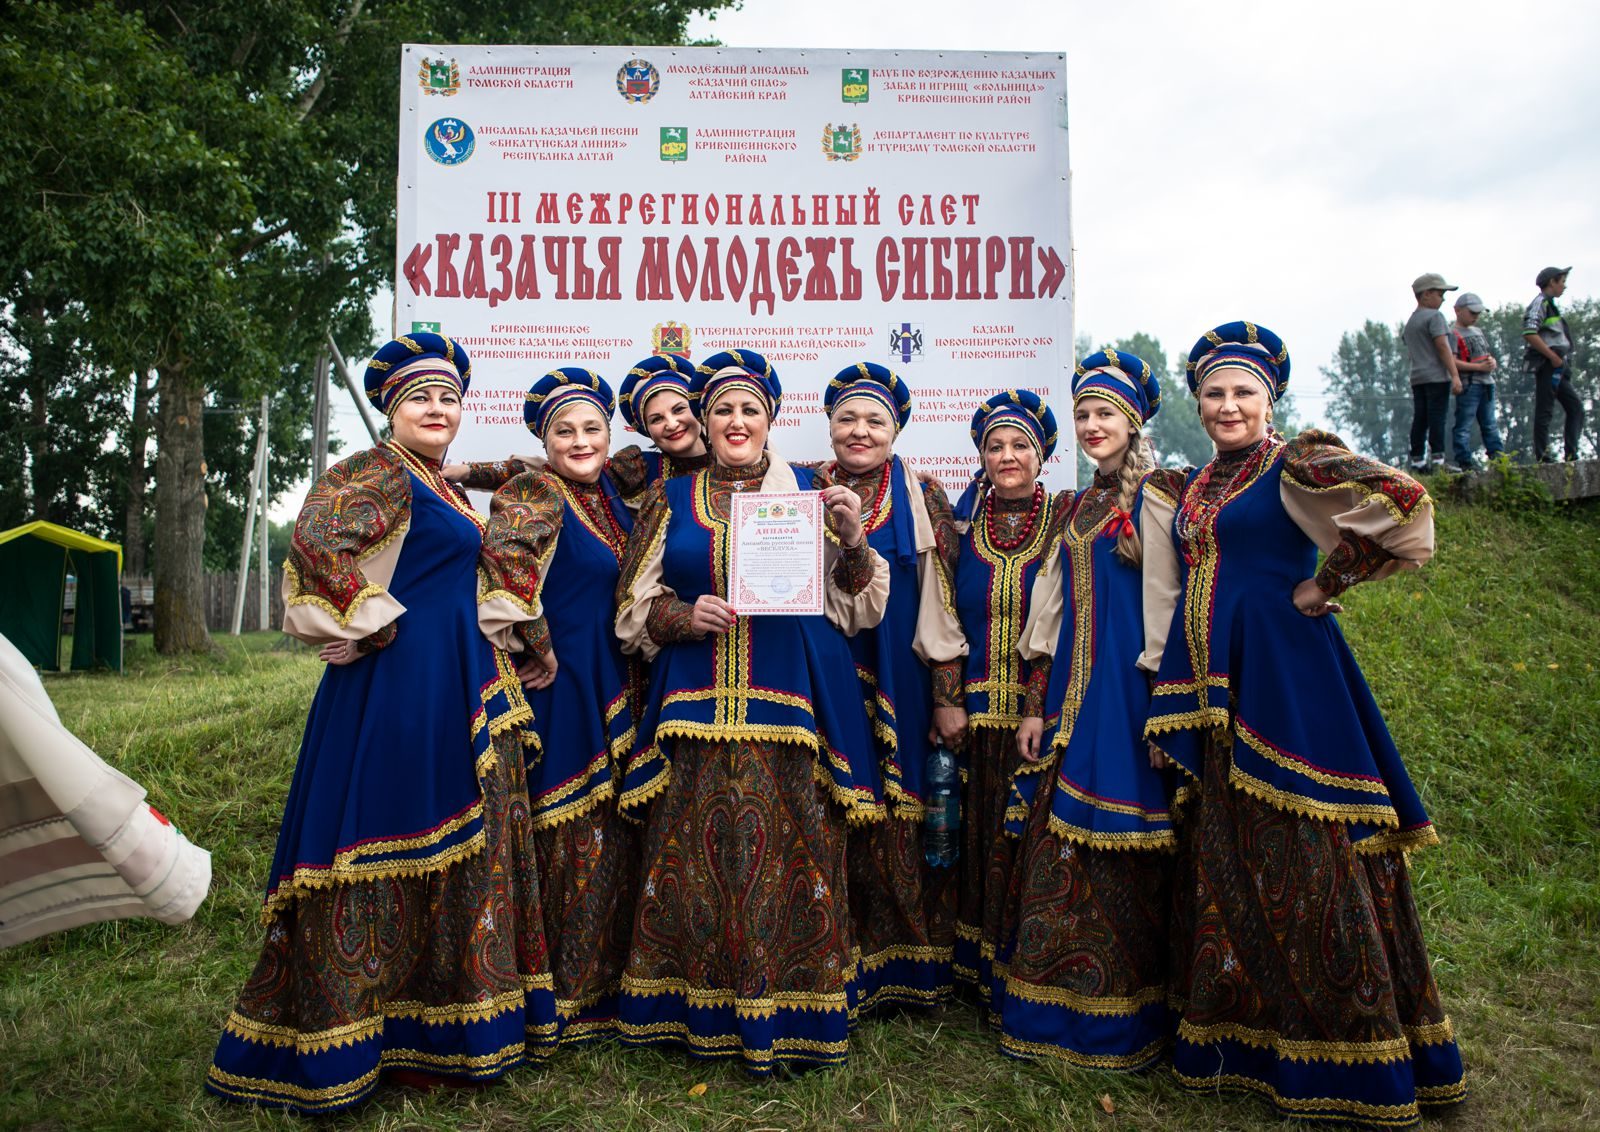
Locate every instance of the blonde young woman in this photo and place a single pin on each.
(1081, 968)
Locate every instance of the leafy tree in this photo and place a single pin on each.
(213, 191)
(1369, 388)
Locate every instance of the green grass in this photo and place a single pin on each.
(1485, 663)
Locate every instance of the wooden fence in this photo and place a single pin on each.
(220, 589)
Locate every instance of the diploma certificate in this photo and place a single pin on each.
(776, 560)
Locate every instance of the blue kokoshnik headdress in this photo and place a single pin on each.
(655, 374)
(869, 379)
(1126, 380)
(1016, 408)
(560, 389)
(412, 362)
(1242, 346)
(735, 369)
(883, 386)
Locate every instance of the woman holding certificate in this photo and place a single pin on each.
(1011, 522)
(1299, 964)
(654, 400)
(910, 668)
(755, 738)
(1084, 944)
(547, 576)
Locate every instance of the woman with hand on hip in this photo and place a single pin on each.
(548, 580)
(404, 936)
(1011, 522)
(910, 667)
(757, 740)
(1081, 969)
(1299, 968)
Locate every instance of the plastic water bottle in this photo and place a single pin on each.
(941, 826)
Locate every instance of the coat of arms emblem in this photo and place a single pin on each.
(670, 338)
(439, 76)
(638, 80)
(674, 143)
(841, 142)
(855, 84)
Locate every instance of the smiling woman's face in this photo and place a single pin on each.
(427, 420)
(737, 423)
(577, 443)
(669, 421)
(862, 434)
(1233, 409)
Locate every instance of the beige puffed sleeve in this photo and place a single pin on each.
(1161, 578)
(938, 638)
(1370, 520)
(343, 552)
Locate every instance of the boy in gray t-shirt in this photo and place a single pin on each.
(1475, 402)
(1433, 368)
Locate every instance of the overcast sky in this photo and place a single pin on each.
(1293, 164)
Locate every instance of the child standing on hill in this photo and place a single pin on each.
(1476, 363)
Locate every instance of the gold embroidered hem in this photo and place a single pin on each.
(1341, 1053)
(1017, 1047)
(1306, 1108)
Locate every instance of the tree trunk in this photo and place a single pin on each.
(133, 557)
(180, 615)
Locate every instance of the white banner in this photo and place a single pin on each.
(591, 206)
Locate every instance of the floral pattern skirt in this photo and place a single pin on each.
(742, 945)
(1299, 970)
(984, 866)
(588, 872)
(904, 915)
(446, 973)
(1081, 973)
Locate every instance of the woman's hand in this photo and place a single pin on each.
(1029, 732)
(844, 508)
(1310, 599)
(1158, 757)
(538, 672)
(454, 473)
(949, 726)
(711, 614)
(340, 652)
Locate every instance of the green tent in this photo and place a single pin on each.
(35, 561)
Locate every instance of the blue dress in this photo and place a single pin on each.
(756, 748)
(1080, 972)
(1302, 976)
(1000, 557)
(555, 544)
(402, 911)
(904, 919)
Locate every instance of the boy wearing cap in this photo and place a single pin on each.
(1433, 368)
(1476, 363)
(1549, 343)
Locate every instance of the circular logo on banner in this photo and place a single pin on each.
(638, 80)
(449, 141)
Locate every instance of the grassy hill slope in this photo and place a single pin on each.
(1484, 663)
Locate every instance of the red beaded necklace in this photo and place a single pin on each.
(1196, 512)
(873, 514)
(1027, 528)
(604, 524)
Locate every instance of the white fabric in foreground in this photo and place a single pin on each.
(78, 843)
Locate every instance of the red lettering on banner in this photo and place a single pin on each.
(774, 269)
